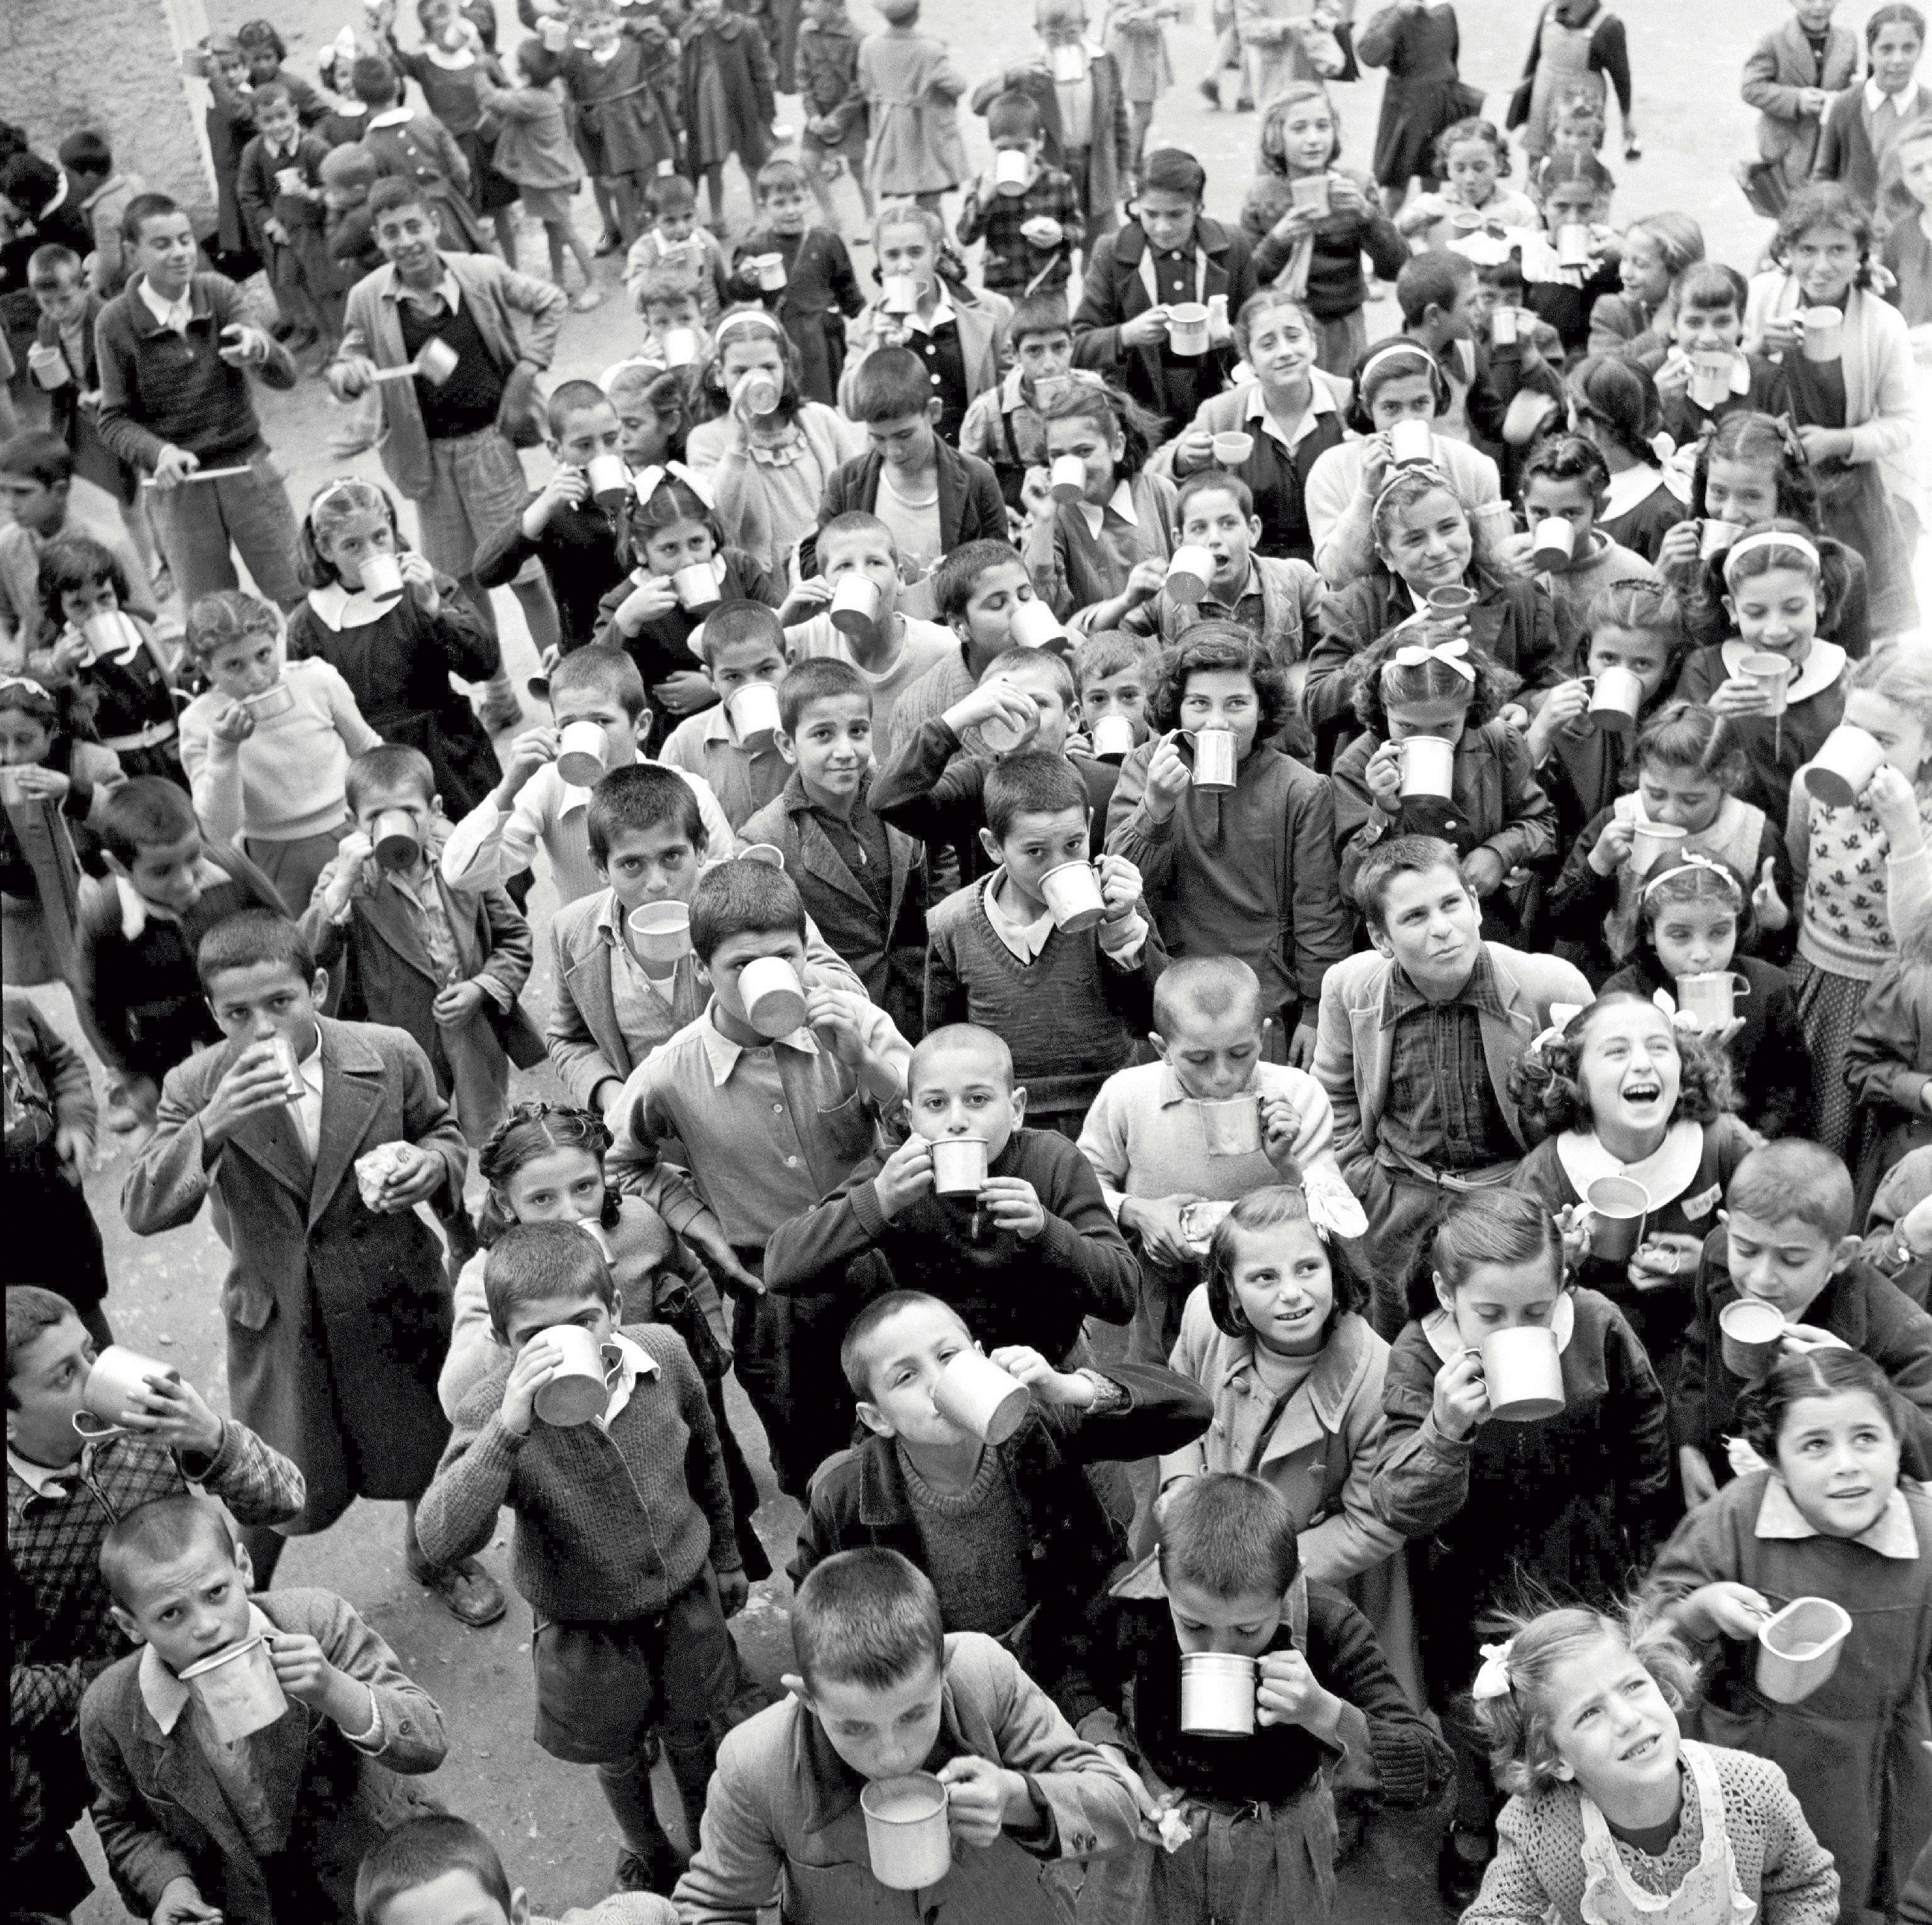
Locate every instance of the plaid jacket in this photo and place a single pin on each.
(1012, 263)
(58, 1627)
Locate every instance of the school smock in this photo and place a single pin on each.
(1424, 94)
(911, 90)
(1856, 1750)
(1574, 1502)
(1686, 1177)
(1777, 746)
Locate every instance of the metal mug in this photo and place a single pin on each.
(1428, 765)
(1113, 739)
(1071, 893)
(696, 586)
(1652, 843)
(1772, 673)
(1522, 1374)
(1616, 695)
(1230, 1126)
(114, 1377)
(660, 936)
(381, 577)
(958, 1164)
(973, 1392)
(1618, 1206)
(238, 1690)
(609, 476)
(855, 606)
(583, 753)
(394, 837)
(1066, 479)
(1217, 1694)
(1189, 574)
(1553, 545)
(753, 711)
(581, 1389)
(773, 997)
(1187, 327)
(908, 1842)
(1215, 761)
(1842, 770)
(1709, 994)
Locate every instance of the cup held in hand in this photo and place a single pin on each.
(855, 606)
(1618, 1207)
(1113, 738)
(1523, 1373)
(1504, 325)
(238, 1690)
(1230, 1127)
(1710, 385)
(1411, 443)
(958, 1165)
(381, 578)
(1572, 245)
(1187, 330)
(1072, 893)
(49, 365)
(1654, 843)
(1615, 699)
(1012, 170)
(1034, 626)
(898, 293)
(1310, 193)
(581, 754)
(906, 1838)
(773, 997)
(581, 1389)
(1710, 996)
(680, 346)
(1749, 1333)
(1842, 768)
(1066, 479)
(661, 936)
(1218, 1691)
(116, 1378)
(1772, 674)
(769, 853)
(1824, 333)
(1189, 574)
(1799, 1648)
(753, 711)
(393, 835)
(1215, 761)
(1231, 448)
(770, 270)
(283, 1050)
(975, 1393)
(1553, 545)
(1715, 535)
(1428, 765)
(696, 587)
(609, 478)
(436, 360)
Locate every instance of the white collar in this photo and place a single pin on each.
(1904, 105)
(175, 314)
(392, 117)
(1665, 1173)
(1025, 940)
(633, 1360)
(1822, 667)
(458, 61)
(137, 912)
(337, 608)
(58, 201)
(448, 289)
(1632, 488)
(1446, 1341)
(942, 312)
(1122, 503)
(349, 110)
(44, 1480)
(1892, 1534)
(1320, 401)
(162, 1691)
(723, 1054)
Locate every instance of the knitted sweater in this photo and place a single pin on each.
(285, 781)
(1840, 869)
(1572, 592)
(608, 1528)
(1071, 1017)
(1538, 1872)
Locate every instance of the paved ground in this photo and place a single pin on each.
(549, 1818)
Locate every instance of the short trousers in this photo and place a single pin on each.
(476, 486)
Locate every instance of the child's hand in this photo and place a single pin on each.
(979, 1795)
(1767, 905)
(348, 876)
(1565, 712)
(1694, 1473)
(171, 1412)
(1144, 583)
(1896, 805)
(1296, 223)
(1194, 451)
(1825, 443)
(235, 724)
(1289, 1692)
(904, 1176)
(1145, 330)
(275, 231)
(1120, 888)
(832, 1016)
(1168, 776)
(734, 1592)
(181, 1904)
(1156, 1220)
(457, 1003)
(537, 1362)
(1345, 197)
(1281, 1124)
(528, 754)
(1461, 1400)
(1781, 336)
(70, 652)
(418, 1176)
(350, 375)
(251, 1086)
(1068, 1389)
(242, 346)
(652, 598)
(1731, 1610)
(301, 1669)
(420, 579)
(567, 487)
(1677, 560)
(1664, 1258)
(684, 691)
(815, 592)
(1014, 1204)
(1672, 379)
(172, 467)
(1613, 849)
(40, 784)
(1483, 869)
(74, 1148)
(1036, 494)
(1383, 775)
(997, 700)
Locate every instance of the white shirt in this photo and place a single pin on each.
(1904, 105)
(137, 912)
(43, 1479)
(308, 1112)
(1320, 401)
(450, 293)
(942, 312)
(633, 1362)
(1122, 503)
(173, 314)
(1891, 1534)
(1026, 940)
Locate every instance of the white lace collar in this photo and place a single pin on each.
(1665, 1173)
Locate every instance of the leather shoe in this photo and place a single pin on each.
(471, 1595)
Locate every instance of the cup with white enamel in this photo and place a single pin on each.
(1231, 448)
(1750, 1334)
(1216, 762)
(1618, 1206)
(1310, 193)
(1772, 675)
(381, 577)
(1715, 535)
(283, 1050)
(959, 1164)
(1428, 764)
(1032, 625)
(1218, 1690)
(1000, 733)
(1188, 573)
(1572, 245)
(855, 606)
(908, 1843)
(695, 585)
(1066, 479)
(115, 1379)
(753, 711)
(609, 476)
(680, 346)
(1653, 843)
(973, 1392)
(773, 997)
(770, 270)
(583, 752)
(1710, 995)
(580, 1388)
(1071, 893)
(1012, 171)
(1522, 1374)
(1842, 770)
(660, 936)
(1113, 739)
(1616, 695)
(394, 837)
(898, 293)
(1411, 443)
(1504, 325)
(49, 365)
(1552, 544)
(1799, 1648)
(1230, 1126)
(1187, 328)
(1824, 333)
(1710, 385)
(238, 1690)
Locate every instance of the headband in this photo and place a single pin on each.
(1388, 348)
(751, 317)
(1453, 654)
(1694, 862)
(339, 486)
(1493, 1679)
(647, 483)
(1415, 471)
(28, 683)
(1770, 538)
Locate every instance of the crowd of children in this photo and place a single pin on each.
(1258, 982)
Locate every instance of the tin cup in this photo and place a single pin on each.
(1232, 1126)
(581, 1388)
(1215, 760)
(761, 391)
(555, 34)
(1428, 765)
(770, 269)
(238, 1690)
(696, 587)
(436, 360)
(1113, 739)
(1187, 328)
(958, 1164)
(373, 1169)
(582, 755)
(1309, 193)
(1066, 63)
(660, 936)
(1189, 574)
(1572, 245)
(1842, 770)
(293, 1088)
(769, 853)
(609, 476)
(774, 998)
(115, 1379)
(1615, 696)
(1710, 995)
(1715, 535)
(753, 711)
(1653, 843)
(898, 293)
(680, 346)
(1217, 1694)
(49, 365)
(1231, 448)
(1504, 326)
(1522, 1374)
(393, 834)
(855, 606)
(1749, 1333)
(291, 180)
(108, 633)
(11, 793)
(1618, 1207)
(1449, 606)
(1072, 893)
(906, 1839)
(1824, 333)
(1000, 733)
(975, 1393)
(1066, 479)
(1012, 170)
(381, 578)
(1553, 545)
(1711, 377)
(1034, 626)
(1772, 674)
(1798, 1649)
(1410, 442)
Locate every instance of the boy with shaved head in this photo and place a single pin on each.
(1024, 1259)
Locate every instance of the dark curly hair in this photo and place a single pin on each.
(1266, 1209)
(1826, 204)
(1546, 1084)
(531, 1130)
(1373, 677)
(74, 559)
(1085, 397)
(1215, 647)
(1763, 1409)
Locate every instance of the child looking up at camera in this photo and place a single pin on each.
(1566, 479)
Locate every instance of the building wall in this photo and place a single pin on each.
(113, 65)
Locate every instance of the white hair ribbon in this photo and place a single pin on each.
(1332, 1206)
(1452, 653)
(646, 482)
(1492, 1680)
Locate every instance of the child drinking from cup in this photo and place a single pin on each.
(1613, 405)
(1696, 917)
(1655, 250)
(1705, 375)
(1470, 783)
(1002, 425)
(1468, 163)
(1623, 1093)
(884, 1695)
(1239, 1791)
(1579, 1709)
(1309, 221)
(676, 270)
(1567, 480)
(624, 1543)
(1238, 860)
(1027, 210)
(1110, 674)
(328, 1769)
(1570, 1499)
(1691, 777)
(743, 646)
(396, 629)
(1848, 372)
(1578, 264)
(1824, 1516)
(963, 1498)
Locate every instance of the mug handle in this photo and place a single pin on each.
(1743, 984)
(83, 1419)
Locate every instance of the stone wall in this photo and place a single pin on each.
(113, 65)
